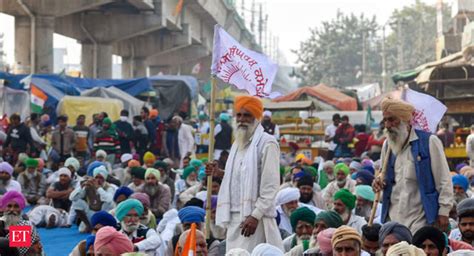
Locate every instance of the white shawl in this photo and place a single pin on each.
(248, 181)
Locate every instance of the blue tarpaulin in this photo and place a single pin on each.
(171, 91)
(73, 86)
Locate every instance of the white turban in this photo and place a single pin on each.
(403, 248)
(328, 164)
(65, 171)
(237, 252)
(287, 195)
(267, 113)
(100, 153)
(266, 250)
(126, 157)
(463, 252)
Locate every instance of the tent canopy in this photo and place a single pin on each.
(132, 104)
(289, 105)
(324, 93)
(73, 85)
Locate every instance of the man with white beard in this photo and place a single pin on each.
(302, 222)
(144, 239)
(344, 203)
(13, 203)
(417, 187)
(286, 202)
(7, 183)
(342, 180)
(246, 200)
(365, 200)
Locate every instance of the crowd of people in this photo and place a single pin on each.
(138, 188)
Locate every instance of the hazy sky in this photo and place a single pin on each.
(290, 20)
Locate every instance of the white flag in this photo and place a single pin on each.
(428, 110)
(244, 68)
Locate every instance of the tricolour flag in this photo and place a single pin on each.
(38, 98)
(244, 68)
(428, 110)
(189, 248)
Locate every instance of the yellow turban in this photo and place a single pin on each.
(251, 104)
(149, 158)
(344, 233)
(398, 108)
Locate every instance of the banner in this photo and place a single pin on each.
(428, 110)
(241, 67)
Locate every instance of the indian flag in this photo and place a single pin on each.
(38, 98)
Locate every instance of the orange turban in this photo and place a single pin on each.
(398, 108)
(251, 104)
(154, 113)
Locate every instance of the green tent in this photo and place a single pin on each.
(405, 76)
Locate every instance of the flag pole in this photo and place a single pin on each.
(380, 175)
(211, 154)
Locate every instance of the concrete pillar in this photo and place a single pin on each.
(103, 63)
(43, 44)
(138, 67)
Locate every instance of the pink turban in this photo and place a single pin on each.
(116, 242)
(250, 103)
(40, 162)
(142, 197)
(324, 240)
(15, 196)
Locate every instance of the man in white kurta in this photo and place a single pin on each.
(185, 137)
(246, 200)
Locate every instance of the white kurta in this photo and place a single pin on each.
(268, 183)
(405, 201)
(185, 140)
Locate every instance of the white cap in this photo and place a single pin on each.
(101, 153)
(126, 157)
(64, 170)
(267, 113)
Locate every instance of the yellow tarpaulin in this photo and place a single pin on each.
(73, 106)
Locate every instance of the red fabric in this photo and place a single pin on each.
(374, 142)
(344, 134)
(325, 93)
(361, 145)
(459, 245)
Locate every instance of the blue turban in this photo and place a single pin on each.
(191, 214)
(102, 171)
(366, 192)
(369, 168)
(224, 117)
(461, 180)
(401, 232)
(104, 218)
(124, 207)
(126, 191)
(365, 176)
(92, 166)
(89, 241)
(460, 166)
(195, 163)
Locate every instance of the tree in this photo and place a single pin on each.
(413, 36)
(333, 54)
